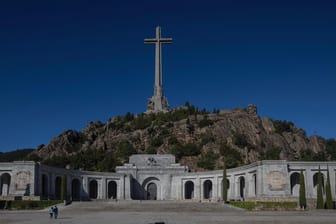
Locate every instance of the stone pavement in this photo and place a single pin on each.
(136, 212)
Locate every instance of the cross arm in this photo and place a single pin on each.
(166, 40)
(150, 40)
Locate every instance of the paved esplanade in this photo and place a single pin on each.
(158, 103)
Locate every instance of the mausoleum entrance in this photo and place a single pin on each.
(151, 191)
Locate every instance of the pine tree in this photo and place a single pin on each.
(329, 201)
(224, 184)
(302, 200)
(319, 204)
(63, 188)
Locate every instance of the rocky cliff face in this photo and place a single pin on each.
(190, 134)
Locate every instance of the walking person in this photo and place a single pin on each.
(51, 212)
(55, 212)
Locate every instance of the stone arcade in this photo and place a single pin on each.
(158, 177)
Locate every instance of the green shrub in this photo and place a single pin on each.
(252, 205)
(241, 140)
(302, 196)
(331, 148)
(207, 160)
(224, 183)
(205, 122)
(207, 138)
(282, 126)
(272, 153)
(151, 150)
(329, 201)
(319, 203)
(16, 205)
(158, 141)
(124, 150)
(63, 188)
(19, 154)
(232, 157)
(189, 149)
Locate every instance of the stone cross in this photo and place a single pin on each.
(158, 103)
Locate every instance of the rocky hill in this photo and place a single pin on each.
(198, 138)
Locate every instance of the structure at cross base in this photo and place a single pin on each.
(159, 177)
(158, 103)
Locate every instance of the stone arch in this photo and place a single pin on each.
(75, 189)
(189, 190)
(58, 187)
(315, 182)
(207, 189)
(241, 185)
(295, 183)
(112, 190)
(152, 188)
(45, 185)
(151, 191)
(5, 181)
(93, 189)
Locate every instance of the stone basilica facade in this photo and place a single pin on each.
(158, 177)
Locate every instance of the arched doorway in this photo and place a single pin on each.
(45, 185)
(295, 184)
(242, 187)
(207, 189)
(5, 180)
(75, 190)
(315, 180)
(93, 189)
(151, 191)
(112, 190)
(58, 186)
(189, 190)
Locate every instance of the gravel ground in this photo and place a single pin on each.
(167, 212)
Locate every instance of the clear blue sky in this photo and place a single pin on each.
(65, 63)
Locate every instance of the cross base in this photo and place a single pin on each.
(157, 104)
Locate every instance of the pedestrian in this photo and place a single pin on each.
(51, 212)
(55, 212)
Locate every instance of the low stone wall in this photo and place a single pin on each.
(20, 198)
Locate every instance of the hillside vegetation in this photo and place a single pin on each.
(19, 154)
(198, 138)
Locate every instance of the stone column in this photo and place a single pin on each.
(231, 194)
(120, 189)
(127, 187)
(85, 192)
(332, 181)
(260, 182)
(309, 182)
(52, 182)
(198, 194)
(247, 186)
(215, 189)
(103, 188)
(69, 188)
(8, 188)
